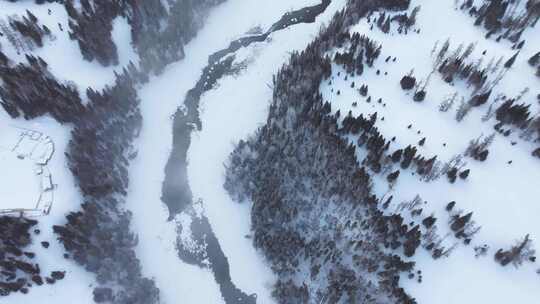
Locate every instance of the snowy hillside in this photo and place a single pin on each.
(242, 151)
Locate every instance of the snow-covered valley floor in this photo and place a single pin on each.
(502, 192)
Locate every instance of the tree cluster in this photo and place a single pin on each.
(361, 50)
(29, 89)
(523, 251)
(513, 114)
(98, 154)
(453, 66)
(24, 33)
(98, 236)
(92, 27)
(160, 45)
(158, 34)
(506, 18)
(518, 115)
(318, 217)
(18, 273)
(463, 226)
(478, 148)
(534, 61)
(408, 82)
(16, 267)
(404, 21)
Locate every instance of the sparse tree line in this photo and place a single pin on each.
(534, 61)
(385, 19)
(30, 90)
(18, 273)
(24, 33)
(158, 34)
(453, 65)
(381, 160)
(98, 236)
(507, 19)
(457, 65)
(461, 226)
(360, 51)
(321, 216)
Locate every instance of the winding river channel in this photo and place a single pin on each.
(176, 192)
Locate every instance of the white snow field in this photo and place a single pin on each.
(19, 185)
(504, 197)
(160, 99)
(77, 283)
(62, 54)
(27, 185)
(21, 182)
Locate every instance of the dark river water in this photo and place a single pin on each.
(176, 193)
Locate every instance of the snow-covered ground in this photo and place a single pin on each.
(21, 186)
(160, 98)
(77, 283)
(503, 196)
(229, 113)
(63, 54)
(27, 186)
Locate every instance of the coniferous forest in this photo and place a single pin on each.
(291, 152)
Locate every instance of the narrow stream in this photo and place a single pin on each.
(176, 193)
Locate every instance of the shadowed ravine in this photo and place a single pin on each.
(176, 193)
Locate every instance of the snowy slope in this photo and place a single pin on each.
(83, 74)
(157, 237)
(77, 283)
(503, 197)
(63, 54)
(501, 192)
(65, 63)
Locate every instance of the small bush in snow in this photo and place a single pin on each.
(408, 82)
(523, 251)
